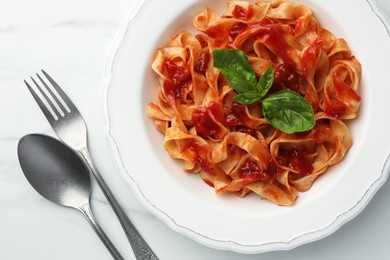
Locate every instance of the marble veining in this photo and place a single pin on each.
(70, 39)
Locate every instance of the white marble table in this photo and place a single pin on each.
(70, 39)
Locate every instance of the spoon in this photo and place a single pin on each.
(60, 176)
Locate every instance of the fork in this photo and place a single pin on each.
(70, 127)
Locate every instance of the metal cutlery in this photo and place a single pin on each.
(59, 175)
(70, 127)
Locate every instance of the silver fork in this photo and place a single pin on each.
(70, 127)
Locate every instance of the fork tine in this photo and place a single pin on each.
(42, 105)
(56, 111)
(61, 106)
(62, 94)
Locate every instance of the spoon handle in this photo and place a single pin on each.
(86, 210)
(141, 249)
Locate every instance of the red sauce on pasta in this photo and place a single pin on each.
(272, 35)
(285, 74)
(237, 115)
(179, 79)
(200, 156)
(209, 183)
(296, 159)
(206, 118)
(247, 130)
(345, 95)
(335, 109)
(309, 59)
(202, 63)
(205, 164)
(214, 32)
(251, 169)
(237, 29)
(272, 168)
(240, 12)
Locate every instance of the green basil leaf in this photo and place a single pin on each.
(288, 111)
(234, 66)
(266, 81)
(247, 98)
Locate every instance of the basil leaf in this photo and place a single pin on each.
(236, 69)
(288, 111)
(247, 98)
(265, 82)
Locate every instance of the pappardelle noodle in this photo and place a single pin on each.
(232, 146)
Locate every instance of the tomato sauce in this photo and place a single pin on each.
(203, 62)
(206, 118)
(214, 32)
(237, 115)
(201, 156)
(205, 165)
(241, 31)
(237, 29)
(344, 91)
(179, 80)
(251, 169)
(247, 130)
(335, 109)
(272, 36)
(209, 183)
(296, 159)
(345, 94)
(242, 13)
(285, 74)
(309, 59)
(272, 169)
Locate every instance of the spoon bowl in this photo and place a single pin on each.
(54, 170)
(59, 175)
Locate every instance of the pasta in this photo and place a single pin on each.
(231, 145)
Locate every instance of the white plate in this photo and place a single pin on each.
(248, 225)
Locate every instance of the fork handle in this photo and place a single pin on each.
(87, 212)
(140, 247)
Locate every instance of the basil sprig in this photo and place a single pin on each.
(285, 110)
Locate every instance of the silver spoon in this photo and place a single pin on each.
(59, 175)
